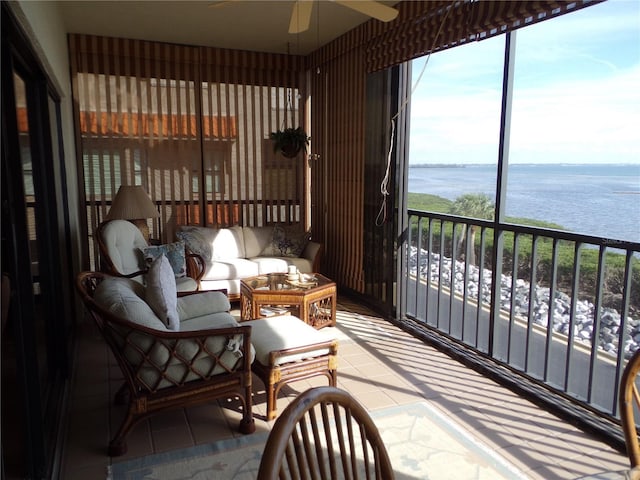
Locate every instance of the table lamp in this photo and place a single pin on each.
(132, 203)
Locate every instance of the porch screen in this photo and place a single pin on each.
(189, 124)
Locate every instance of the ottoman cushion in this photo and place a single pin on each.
(282, 333)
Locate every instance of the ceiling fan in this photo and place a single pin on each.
(301, 12)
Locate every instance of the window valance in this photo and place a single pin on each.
(427, 26)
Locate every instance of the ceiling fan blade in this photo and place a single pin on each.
(300, 16)
(372, 8)
(220, 3)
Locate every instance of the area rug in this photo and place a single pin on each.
(422, 443)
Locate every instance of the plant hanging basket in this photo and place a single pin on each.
(290, 151)
(290, 141)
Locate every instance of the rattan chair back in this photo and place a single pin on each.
(325, 434)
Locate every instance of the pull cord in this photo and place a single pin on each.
(381, 218)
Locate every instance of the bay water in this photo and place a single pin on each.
(602, 200)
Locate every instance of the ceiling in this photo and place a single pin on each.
(238, 24)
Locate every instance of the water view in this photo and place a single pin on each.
(599, 200)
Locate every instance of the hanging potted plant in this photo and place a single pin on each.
(290, 141)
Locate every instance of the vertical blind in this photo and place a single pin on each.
(191, 125)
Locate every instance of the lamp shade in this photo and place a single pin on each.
(132, 203)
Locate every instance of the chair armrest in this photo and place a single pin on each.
(116, 273)
(313, 252)
(196, 266)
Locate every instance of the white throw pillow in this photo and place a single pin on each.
(161, 294)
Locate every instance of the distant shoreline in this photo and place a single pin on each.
(463, 165)
(441, 165)
(580, 197)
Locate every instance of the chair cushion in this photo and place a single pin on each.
(125, 298)
(202, 303)
(189, 349)
(161, 294)
(173, 251)
(124, 242)
(284, 332)
(186, 284)
(207, 321)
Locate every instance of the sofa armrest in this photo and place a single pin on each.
(313, 252)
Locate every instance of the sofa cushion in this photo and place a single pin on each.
(256, 239)
(213, 243)
(227, 243)
(173, 251)
(197, 240)
(286, 241)
(230, 268)
(232, 286)
(162, 295)
(281, 264)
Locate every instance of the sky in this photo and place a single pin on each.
(576, 93)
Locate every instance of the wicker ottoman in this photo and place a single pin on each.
(287, 349)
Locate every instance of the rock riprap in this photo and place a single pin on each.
(583, 322)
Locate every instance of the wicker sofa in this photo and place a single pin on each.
(233, 253)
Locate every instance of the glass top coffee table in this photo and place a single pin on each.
(312, 298)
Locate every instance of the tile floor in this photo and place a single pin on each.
(381, 365)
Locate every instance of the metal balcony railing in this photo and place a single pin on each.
(560, 310)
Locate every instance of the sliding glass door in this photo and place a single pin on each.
(37, 292)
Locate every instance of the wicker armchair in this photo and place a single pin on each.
(170, 369)
(120, 242)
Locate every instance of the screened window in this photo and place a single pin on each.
(573, 148)
(455, 124)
